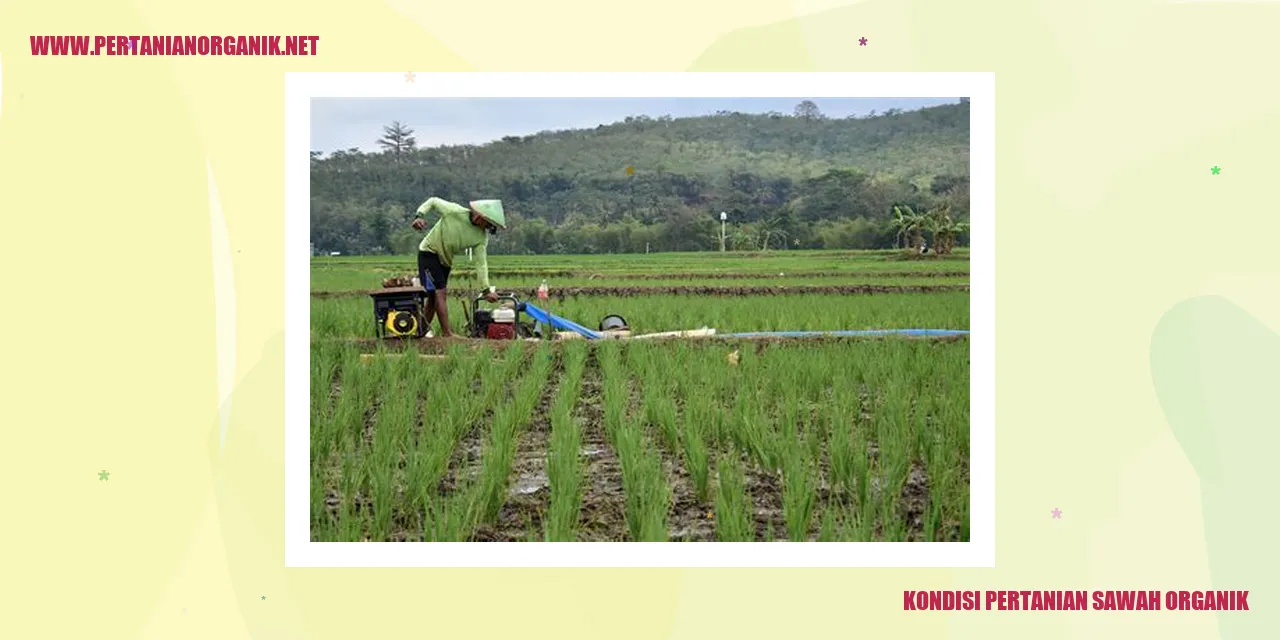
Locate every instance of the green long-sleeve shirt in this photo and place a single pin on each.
(455, 233)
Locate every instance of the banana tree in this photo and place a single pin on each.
(945, 229)
(743, 238)
(769, 230)
(910, 227)
(953, 232)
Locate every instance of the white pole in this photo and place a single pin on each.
(723, 216)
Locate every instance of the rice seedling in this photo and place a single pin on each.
(564, 469)
(842, 455)
(838, 440)
(507, 422)
(348, 316)
(733, 506)
(798, 474)
(696, 454)
(643, 482)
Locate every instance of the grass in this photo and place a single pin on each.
(352, 317)
(832, 440)
(643, 483)
(733, 506)
(882, 424)
(564, 469)
(665, 262)
(507, 420)
(526, 272)
(325, 280)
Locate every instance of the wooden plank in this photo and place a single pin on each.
(386, 291)
(367, 357)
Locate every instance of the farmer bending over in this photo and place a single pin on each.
(458, 229)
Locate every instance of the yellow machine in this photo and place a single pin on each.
(402, 324)
(398, 312)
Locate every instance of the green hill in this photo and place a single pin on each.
(786, 181)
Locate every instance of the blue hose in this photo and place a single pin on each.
(544, 316)
(931, 333)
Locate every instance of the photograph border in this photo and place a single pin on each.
(300, 88)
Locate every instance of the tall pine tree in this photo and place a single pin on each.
(397, 139)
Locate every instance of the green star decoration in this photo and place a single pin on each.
(264, 597)
(1215, 170)
(102, 475)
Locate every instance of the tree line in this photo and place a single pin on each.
(659, 184)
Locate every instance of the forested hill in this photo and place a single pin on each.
(787, 181)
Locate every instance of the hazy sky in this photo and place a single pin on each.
(342, 123)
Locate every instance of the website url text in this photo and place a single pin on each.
(174, 45)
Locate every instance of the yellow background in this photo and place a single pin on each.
(1109, 115)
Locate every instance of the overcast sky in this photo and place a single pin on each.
(342, 123)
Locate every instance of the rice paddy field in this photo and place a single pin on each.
(714, 439)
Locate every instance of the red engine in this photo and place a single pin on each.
(501, 331)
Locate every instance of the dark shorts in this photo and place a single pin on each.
(433, 274)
